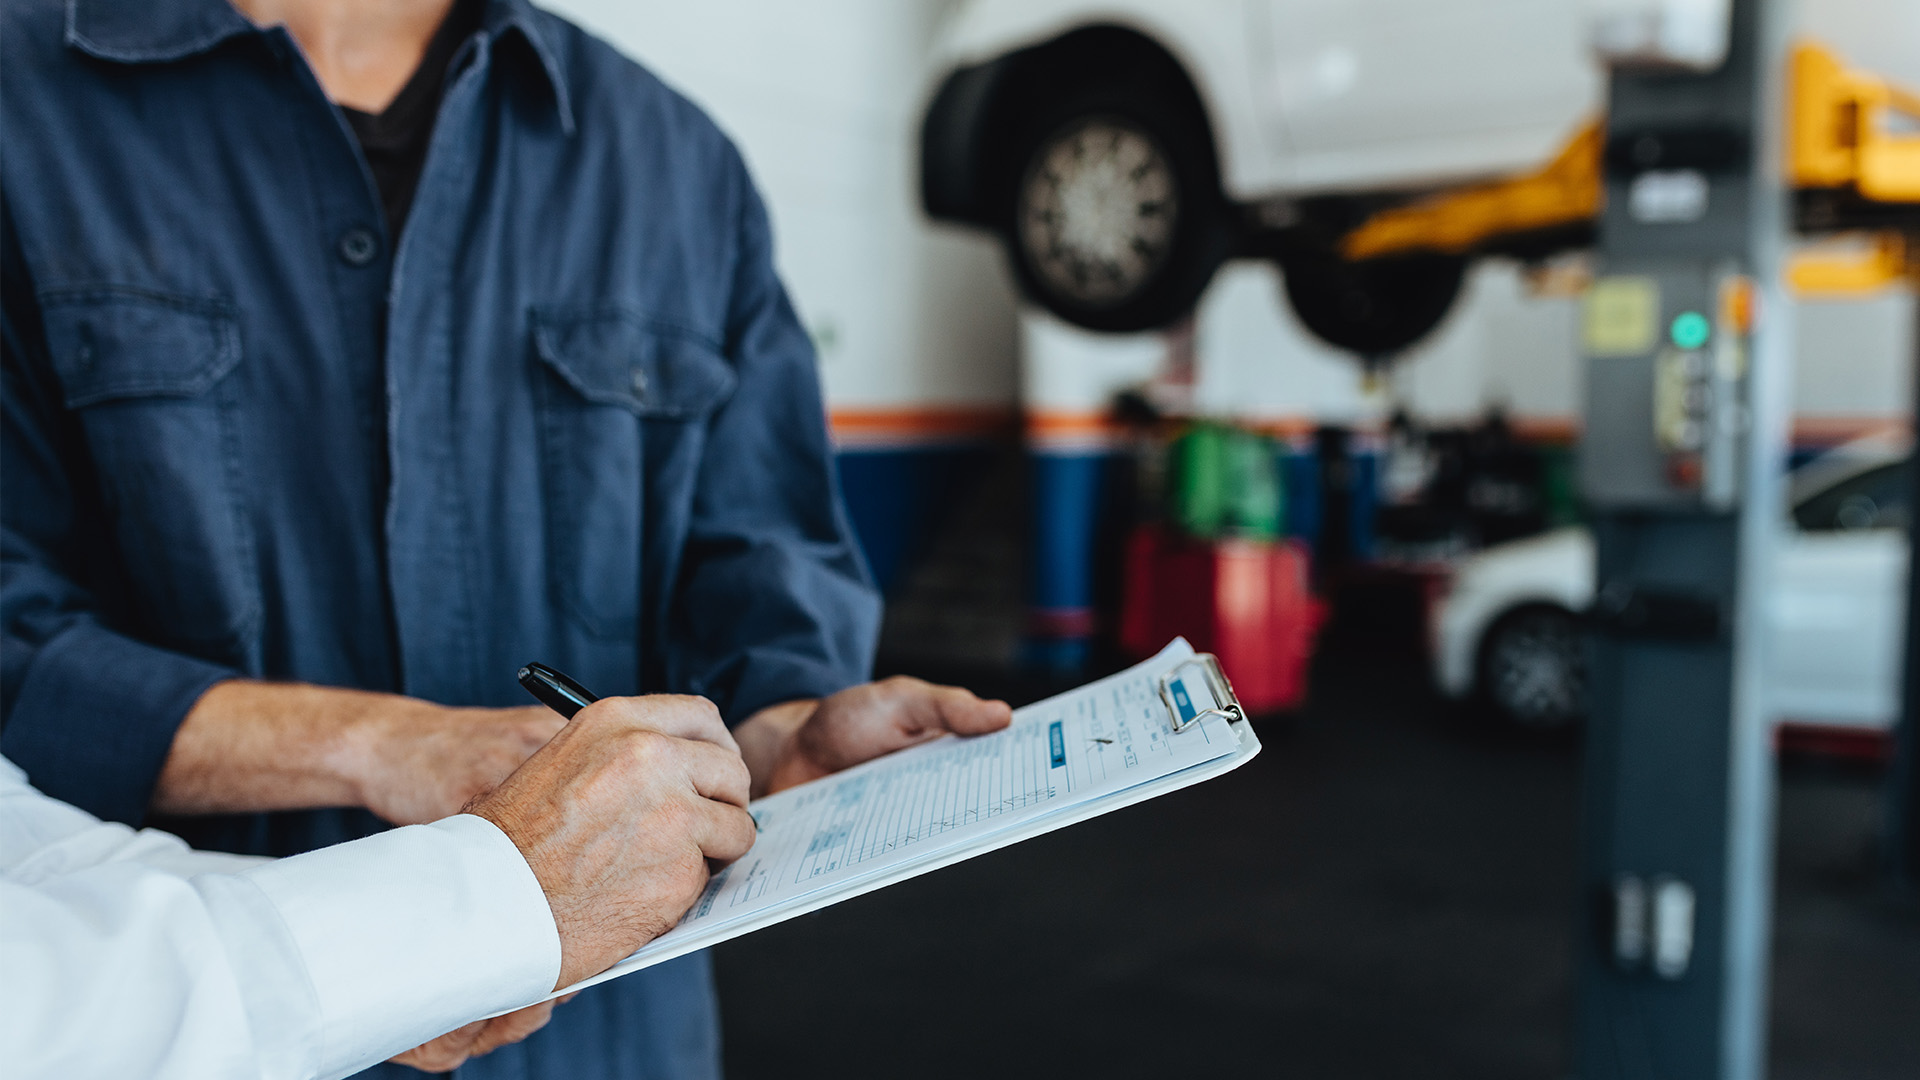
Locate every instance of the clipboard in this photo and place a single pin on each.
(1164, 724)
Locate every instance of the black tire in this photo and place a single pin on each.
(1374, 308)
(1533, 669)
(1128, 237)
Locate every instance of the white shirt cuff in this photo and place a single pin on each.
(412, 933)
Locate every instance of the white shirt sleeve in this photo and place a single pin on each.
(124, 953)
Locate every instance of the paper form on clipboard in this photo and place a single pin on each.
(1158, 726)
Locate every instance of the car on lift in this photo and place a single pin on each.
(1506, 629)
(1124, 148)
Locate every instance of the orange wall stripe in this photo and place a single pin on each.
(919, 425)
(1546, 429)
(1839, 429)
(915, 426)
(1056, 424)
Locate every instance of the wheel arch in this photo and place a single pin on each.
(970, 129)
(1503, 615)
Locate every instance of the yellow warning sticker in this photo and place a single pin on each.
(1622, 316)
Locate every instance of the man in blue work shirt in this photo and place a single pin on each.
(357, 352)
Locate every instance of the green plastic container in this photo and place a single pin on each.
(1223, 481)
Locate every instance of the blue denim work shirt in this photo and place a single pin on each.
(568, 415)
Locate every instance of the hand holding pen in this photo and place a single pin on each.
(567, 697)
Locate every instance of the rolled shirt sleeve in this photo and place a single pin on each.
(96, 715)
(88, 711)
(129, 955)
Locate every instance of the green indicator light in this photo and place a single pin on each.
(1690, 330)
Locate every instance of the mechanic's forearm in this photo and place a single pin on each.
(766, 733)
(251, 746)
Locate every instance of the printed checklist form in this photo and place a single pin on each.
(1084, 753)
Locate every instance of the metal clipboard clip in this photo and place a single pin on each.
(1180, 707)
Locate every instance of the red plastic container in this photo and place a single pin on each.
(1246, 601)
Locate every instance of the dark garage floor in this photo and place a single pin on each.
(1384, 892)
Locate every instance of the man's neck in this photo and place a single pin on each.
(362, 51)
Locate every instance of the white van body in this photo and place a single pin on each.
(1309, 96)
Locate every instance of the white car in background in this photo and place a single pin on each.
(1508, 632)
(1122, 149)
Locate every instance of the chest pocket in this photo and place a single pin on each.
(608, 377)
(148, 377)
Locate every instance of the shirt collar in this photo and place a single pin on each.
(507, 17)
(162, 31)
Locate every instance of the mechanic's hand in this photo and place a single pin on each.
(619, 815)
(450, 1051)
(866, 721)
(421, 762)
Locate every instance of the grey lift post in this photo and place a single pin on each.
(1681, 463)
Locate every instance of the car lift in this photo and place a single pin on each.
(1853, 173)
(1688, 192)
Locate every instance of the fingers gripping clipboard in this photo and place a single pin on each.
(1167, 723)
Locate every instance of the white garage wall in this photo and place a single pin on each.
(1856, 359)
(824, 99)
(1881, 36)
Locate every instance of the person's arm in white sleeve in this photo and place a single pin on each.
(125, 954)
(319, 965)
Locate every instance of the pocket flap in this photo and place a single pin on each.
(113, 342)
(616, 358)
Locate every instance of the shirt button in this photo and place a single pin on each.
(640, 382)
(358, 246)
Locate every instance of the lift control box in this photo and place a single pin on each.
(1666, 349)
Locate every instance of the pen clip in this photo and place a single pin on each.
(556, 691)
(1228, 707)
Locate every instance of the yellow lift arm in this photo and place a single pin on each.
(1567, 192)
(1858, 134)
(1854, 264)
(1848, 130)
(1844, 130)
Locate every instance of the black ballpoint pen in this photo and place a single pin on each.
(556, 691)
